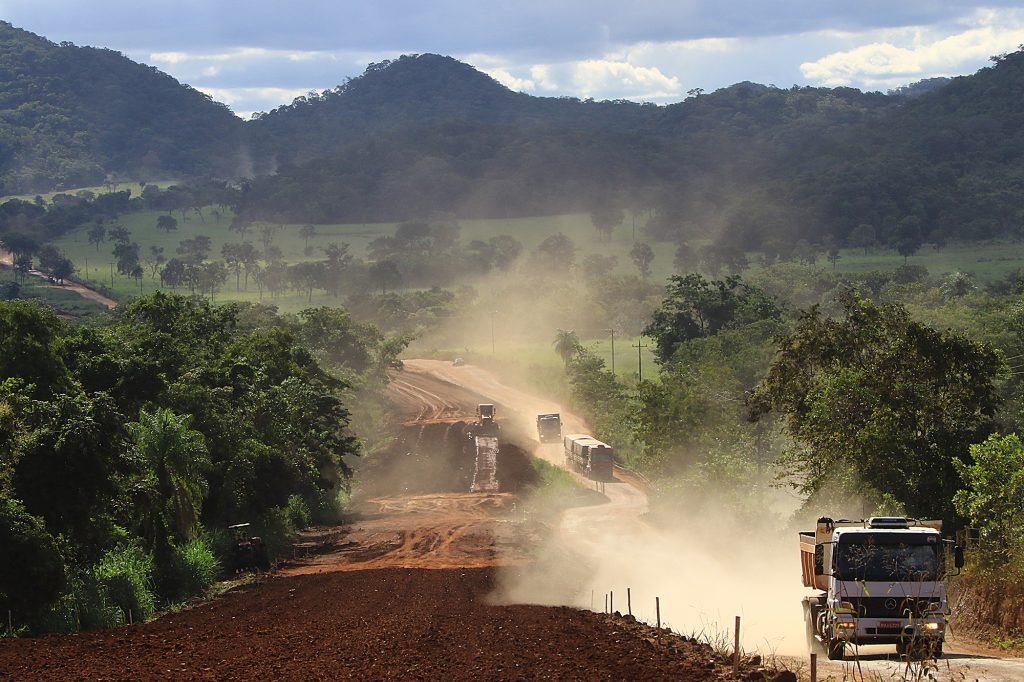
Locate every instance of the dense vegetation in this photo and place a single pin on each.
(74, 116)
(128, 448)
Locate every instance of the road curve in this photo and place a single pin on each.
(627, 501)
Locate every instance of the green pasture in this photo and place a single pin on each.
(986, 262)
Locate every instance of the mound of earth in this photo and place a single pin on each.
(408, 624)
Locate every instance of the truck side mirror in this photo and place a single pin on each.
(958, 556)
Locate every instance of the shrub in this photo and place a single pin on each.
(32, 567)
(126, 576)
(191, 568)
(298, 512)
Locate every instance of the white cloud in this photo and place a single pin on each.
(511, 82)
(238, 53)
(245, 101)
(899, 56)
(599, 77)
(542, 74)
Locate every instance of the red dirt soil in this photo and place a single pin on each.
(408, 624)
(405, 591)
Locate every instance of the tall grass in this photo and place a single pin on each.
(191, 569)
(125, 576)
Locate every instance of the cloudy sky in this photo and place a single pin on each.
(257, 54)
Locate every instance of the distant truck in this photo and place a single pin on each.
(589, 456)
(549, 427)
(880, 581)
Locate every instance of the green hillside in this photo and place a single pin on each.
(74, 116)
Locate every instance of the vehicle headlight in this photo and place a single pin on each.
(846, 624)
(934, 626)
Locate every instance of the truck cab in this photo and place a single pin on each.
(880, 581)
(549, 427)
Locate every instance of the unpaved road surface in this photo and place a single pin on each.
(409, 590)
(588, 530)
(85, 292)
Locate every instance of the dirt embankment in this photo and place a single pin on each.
(403, 624)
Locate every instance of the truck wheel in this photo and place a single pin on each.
(836, 649)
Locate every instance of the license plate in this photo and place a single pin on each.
(889, 624)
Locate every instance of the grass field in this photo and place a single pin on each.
(96, 264)
(986, 262)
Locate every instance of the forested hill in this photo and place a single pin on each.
(422, 91)
(70, 116)
(752, 166)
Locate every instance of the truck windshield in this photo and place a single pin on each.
(887, 562)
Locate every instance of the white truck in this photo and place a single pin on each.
(879, 581)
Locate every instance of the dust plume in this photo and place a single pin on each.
(705, 571)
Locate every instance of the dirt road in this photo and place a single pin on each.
(85, 292)
(406, 591)
(613, 540)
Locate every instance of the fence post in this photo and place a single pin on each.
(814, 667)
(10, 624)
(657, 610)
(611, 602)
(629, 602)
(736, 654)
(606, 602)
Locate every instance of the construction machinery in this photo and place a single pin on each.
(484, 434)
(250, 551)
(484, 424)
(879, 581)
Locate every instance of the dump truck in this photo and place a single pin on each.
(878, 581)
(549, 427)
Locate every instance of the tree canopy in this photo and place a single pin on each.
(880, 403)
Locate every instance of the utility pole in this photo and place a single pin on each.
(612, 332)
(111, 275)
(639, 357)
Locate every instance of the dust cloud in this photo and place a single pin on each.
(707, 568)
(704, 571)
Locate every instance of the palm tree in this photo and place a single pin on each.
(567, 344)
(177, 459)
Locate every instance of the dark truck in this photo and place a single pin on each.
(549, 427)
